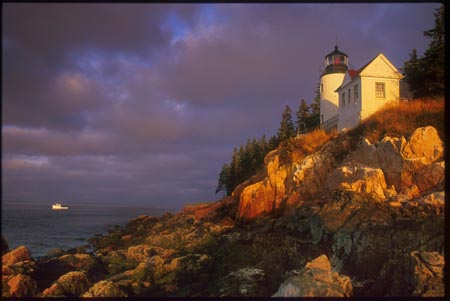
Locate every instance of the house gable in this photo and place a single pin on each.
(380, 67)
(350, 75)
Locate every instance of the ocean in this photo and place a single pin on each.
(41, 229)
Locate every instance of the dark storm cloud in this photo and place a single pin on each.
(144, 103)
(42, 40)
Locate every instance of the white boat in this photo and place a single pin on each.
(59, 206)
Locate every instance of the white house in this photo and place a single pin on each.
(349, 96)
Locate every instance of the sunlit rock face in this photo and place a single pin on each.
(316, 279)
(72, 284)
(19, 254)
(104, 288)
(370, 229)
(381, 170)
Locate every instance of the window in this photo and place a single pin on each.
(348, 96)
(355, 93)
(379, 90)
(343, 99)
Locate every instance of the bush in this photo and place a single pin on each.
(401, 119)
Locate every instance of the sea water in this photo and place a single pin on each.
(42, 229)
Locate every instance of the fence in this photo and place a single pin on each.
(330, 123)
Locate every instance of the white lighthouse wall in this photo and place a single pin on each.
(329, 99)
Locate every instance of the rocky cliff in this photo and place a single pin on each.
(353, 218)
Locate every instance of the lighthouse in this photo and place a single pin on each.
(336, 65)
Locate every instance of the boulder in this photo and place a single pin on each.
(245, 282)
(401, 160)
(417, 273)
(202, 211)
(72, 284)
(20, 285)
(19, 254)
(50, 269)
(256, 199)
(222, 226)
(144, 252)
(427, 273)
(430, 176)
(316, 279)
(425, 144)
(359, 178)
(104, 288)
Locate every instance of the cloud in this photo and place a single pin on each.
(145, 102)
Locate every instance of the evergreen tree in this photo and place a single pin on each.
(425, 75)
(315, 106)
(302, 114)
(224, 178)
(314, 118)
(414, 71)
(286, 129)
(273, 142)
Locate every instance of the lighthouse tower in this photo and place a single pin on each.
(336, 64)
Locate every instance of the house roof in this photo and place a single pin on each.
(353, 73)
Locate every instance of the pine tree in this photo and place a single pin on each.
(425, 75)
(302, 115)
(286, 129)
(314, 118)
(224, 178)
(434, 55)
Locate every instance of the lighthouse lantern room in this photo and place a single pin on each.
(336, 65)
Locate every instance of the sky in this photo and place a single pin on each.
(142, 104)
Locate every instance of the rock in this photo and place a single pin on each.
(104, 288)
(20, 285)
(359, 178)
(316, 279)
(56, 252)
(417, 273)
(51, 269)
(425, 144)
(144, 252)
(245, 282)
(402, 161)
(256, 199)
(222, 226)
(72, 284)
(202, 211)
(19, 254)
(428, 274)
(364, 154)
(431, 176)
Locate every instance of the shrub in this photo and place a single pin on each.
(401, 119)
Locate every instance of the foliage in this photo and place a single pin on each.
(302, 115)
(246, 161)
(309, 115)
(287, 129)
(425, 75)
(402, 119)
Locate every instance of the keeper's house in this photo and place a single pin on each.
(348, 96)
